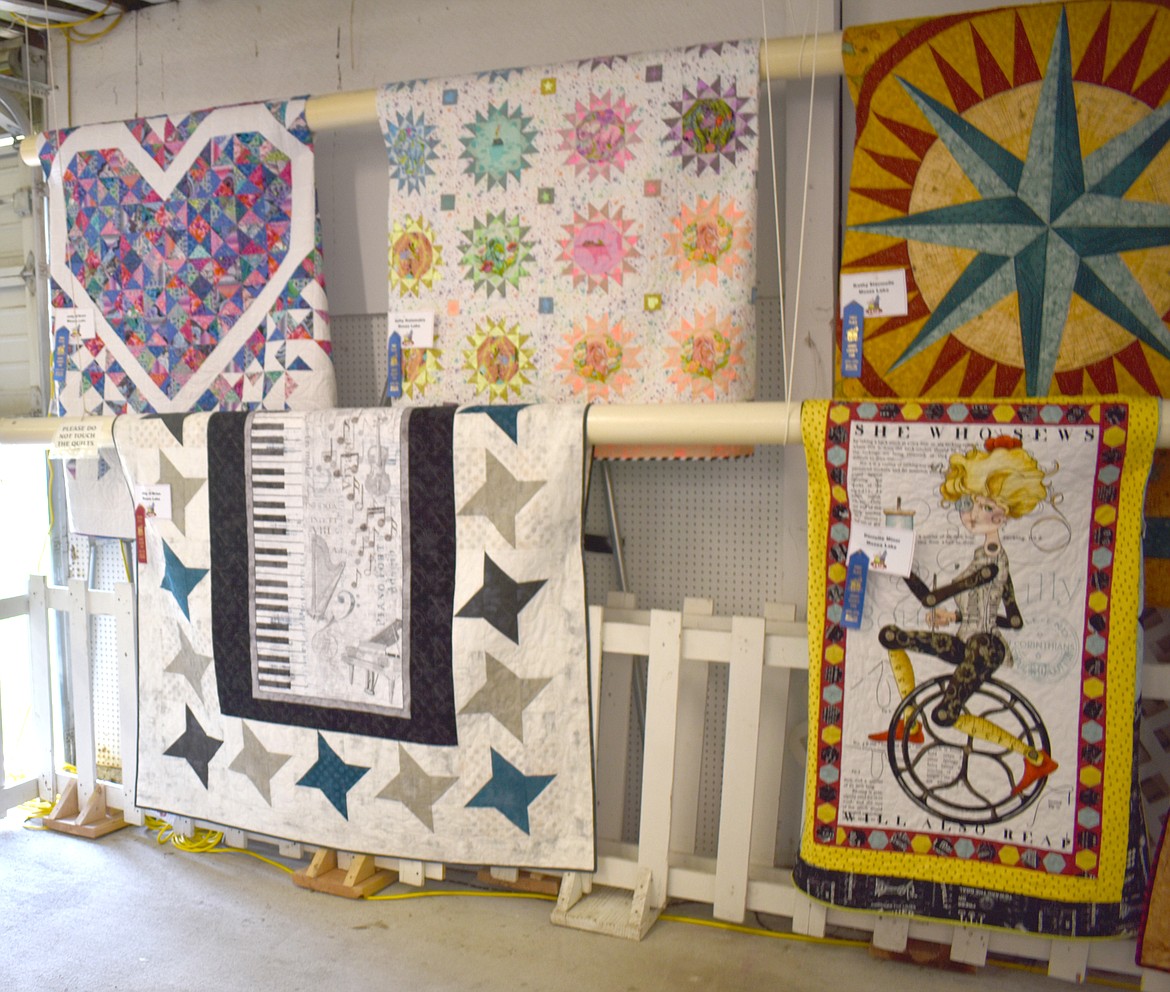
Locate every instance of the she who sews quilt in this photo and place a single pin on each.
(186, 264)
(365, 629)
(577, 232)
(974, 598)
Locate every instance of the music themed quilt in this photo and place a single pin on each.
(974, 599)
(576, 232)
(185, 260)
(365, 629)
(1008, 204)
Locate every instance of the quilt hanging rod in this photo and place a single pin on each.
(759, 423)
(780, 58)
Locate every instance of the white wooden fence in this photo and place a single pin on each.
(633, 882)
(78, 603)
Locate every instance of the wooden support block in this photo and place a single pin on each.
(890, 933)
(1155, 981)
(609, 911)
(412, 873)
(780, 612)
(291, 849)
(615, 600)
(808, 917)
(91, 820)
(363, 878)
(969, 946)
(1069, 960)
(923, 953)
(524, 881)
(234, 837)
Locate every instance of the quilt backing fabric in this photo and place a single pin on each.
(366, 629)
(583, 231)
(186, 263)
(975, 721)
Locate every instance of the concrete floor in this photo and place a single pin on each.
(126, 913)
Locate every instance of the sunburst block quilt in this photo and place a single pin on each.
(1011, 168)
(971, 751)
(366, 629)
(186, 264)
(583, 231)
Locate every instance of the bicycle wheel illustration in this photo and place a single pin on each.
(958, 777)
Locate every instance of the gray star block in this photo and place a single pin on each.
(501, 497)
(183, 489)
(190, 664)
(505, 695)
(258, 763)
(415, 789)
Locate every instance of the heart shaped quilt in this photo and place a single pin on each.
(186, 264)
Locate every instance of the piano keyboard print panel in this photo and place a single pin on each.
(328, 582)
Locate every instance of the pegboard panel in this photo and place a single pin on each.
(359, 358)
(102, 564)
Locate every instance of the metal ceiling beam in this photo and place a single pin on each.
(36, 12)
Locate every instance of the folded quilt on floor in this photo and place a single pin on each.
(366, 629)
(973, 713)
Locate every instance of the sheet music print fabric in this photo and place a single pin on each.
(977, 730)
(380, 643)
(1012, 162)
(581, 231)
(186, 263)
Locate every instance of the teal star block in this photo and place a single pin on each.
(332, 776)
(510, 791)
(179, 579)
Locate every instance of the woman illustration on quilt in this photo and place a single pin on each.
(988, 486)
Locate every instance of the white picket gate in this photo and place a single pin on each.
(84, 797)
(638, 879)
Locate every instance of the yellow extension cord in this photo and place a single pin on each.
(206, 841)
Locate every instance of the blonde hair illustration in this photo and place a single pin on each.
(1003, 471)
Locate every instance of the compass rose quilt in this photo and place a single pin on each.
(186, 264)
(365, 629)
(583, 231)
(1011, 167)
(973, 713)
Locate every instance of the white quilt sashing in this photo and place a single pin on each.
(366, 630)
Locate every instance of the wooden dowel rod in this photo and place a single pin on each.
(622, 424)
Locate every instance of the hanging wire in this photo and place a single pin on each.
(775, 202)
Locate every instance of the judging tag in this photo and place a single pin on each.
(887, 549)
(415, 328)
(855, 578)
(154, 500)
(881, 294)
